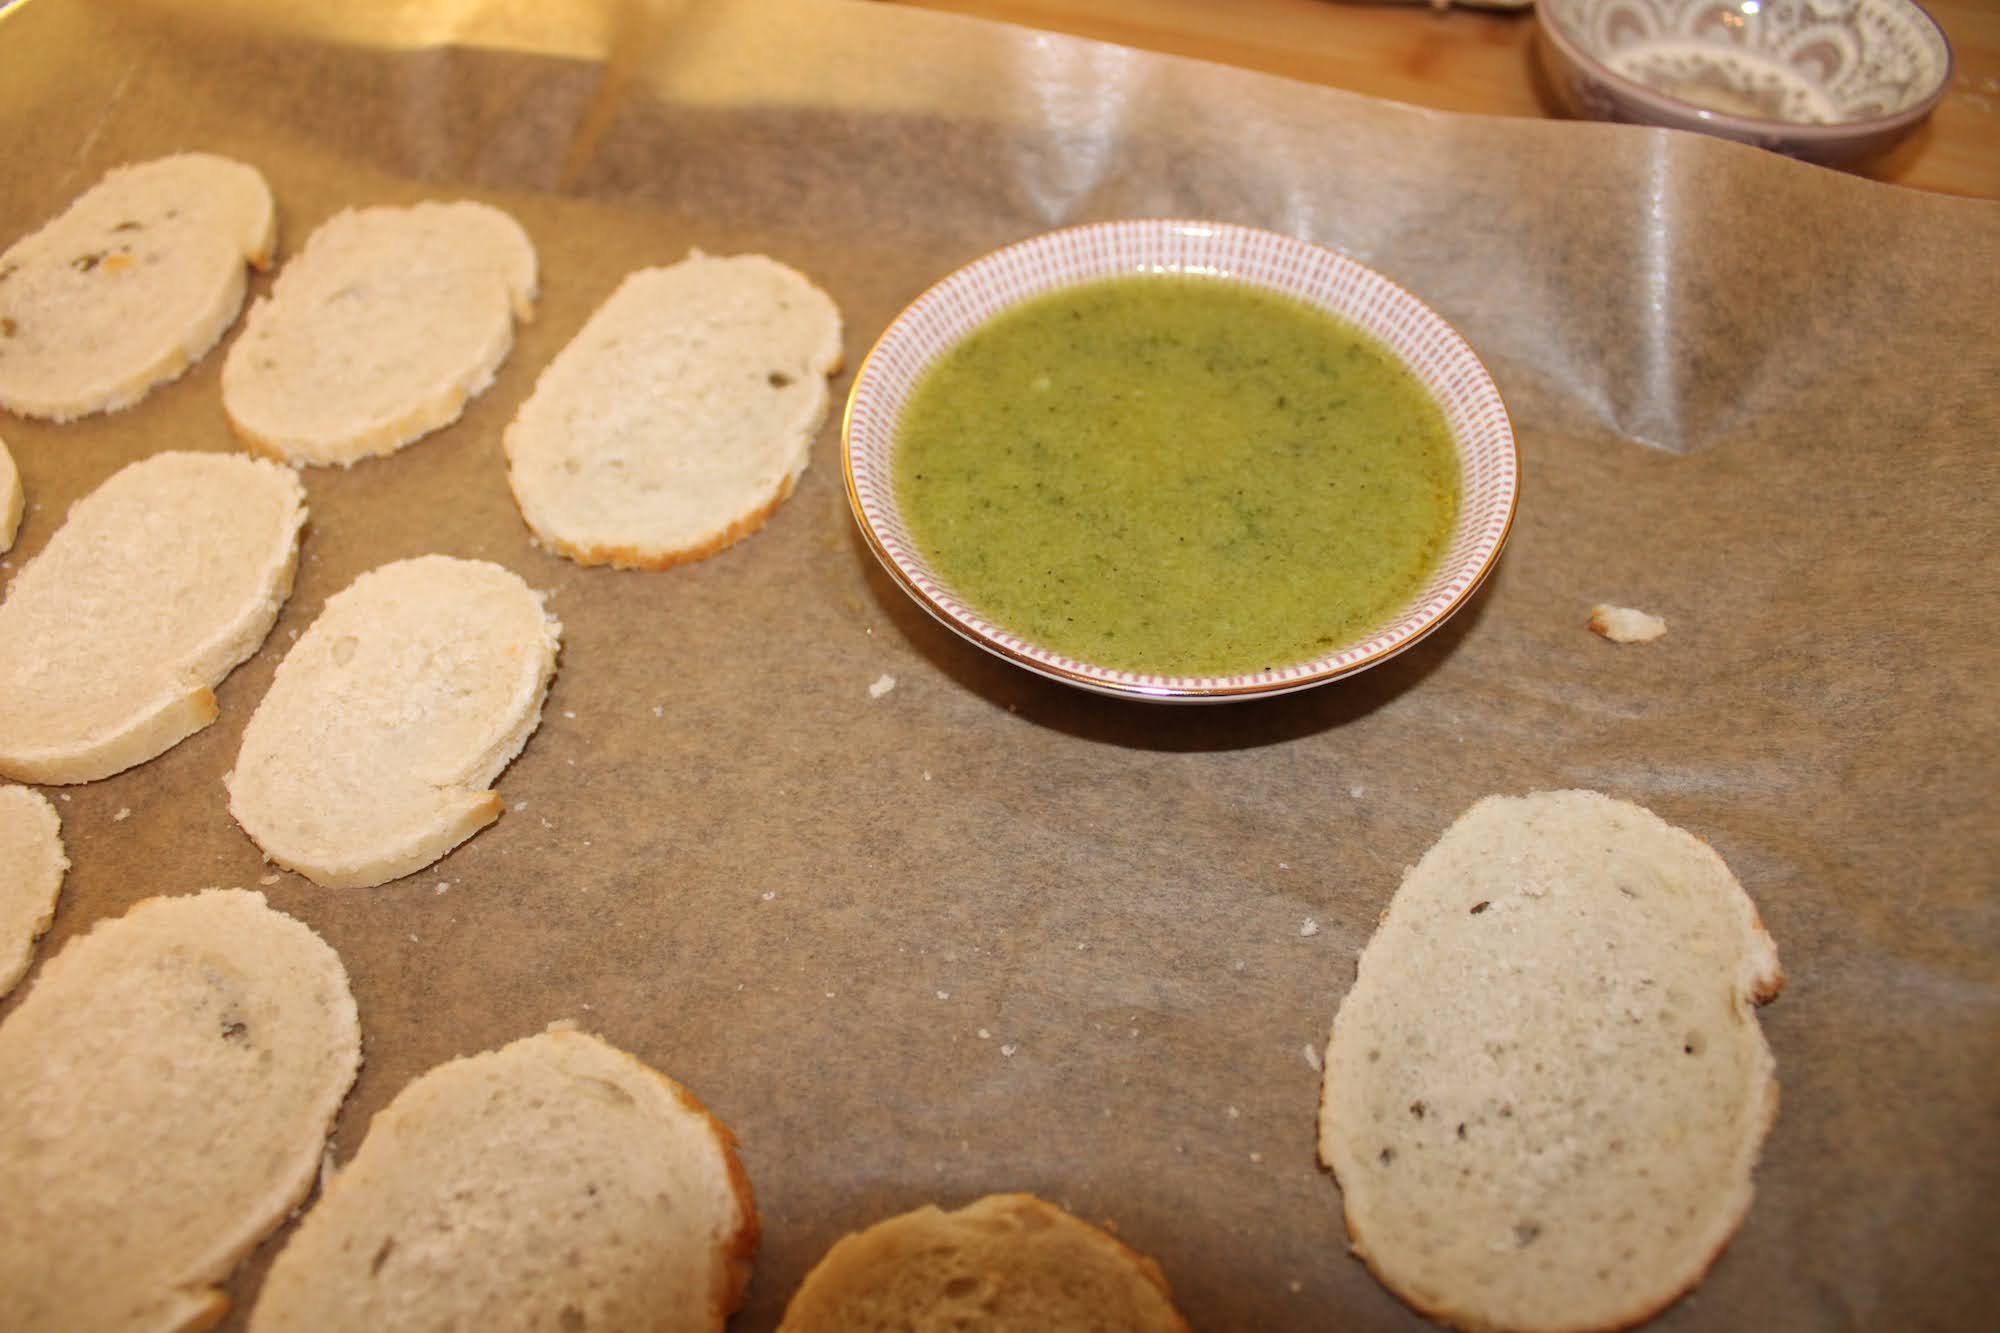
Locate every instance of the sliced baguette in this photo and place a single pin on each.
(1008, 1263)
(131, 285)
(374, 751)
(13, 500)
(156, 586)
(556, 1183)
(379, 331)
(680, 417)
(32, 863)
(1546, 1091)
(166, 1088)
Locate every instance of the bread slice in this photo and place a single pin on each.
(680, 417)
(1008, 1263)
(379, 331)
(131, 285)
(1546, 1091)
(556, 1183)
(156, 586)
(31, 875)
(13, 501)
(373, 753)
(166, 1088)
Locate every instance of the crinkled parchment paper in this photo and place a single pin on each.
(979, 931)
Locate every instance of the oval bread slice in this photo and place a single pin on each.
(1546, 1091)
(13, 500)
(32, 863)
(557, 1183)
(157, 585)
(166, 1089)
(385, 725)
(1008, 1263)
(131, 285)
(379, 331)
(680, 417)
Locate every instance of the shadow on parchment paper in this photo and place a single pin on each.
(1134, 725)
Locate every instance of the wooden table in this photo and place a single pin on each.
(1469, 60)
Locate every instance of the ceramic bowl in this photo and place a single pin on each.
(1431, 348)
(1828, 81)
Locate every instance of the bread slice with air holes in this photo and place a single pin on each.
(130, 285)
(1007, 1263)
(158, 583)
(32, 863)
(13, 500)
(1546, 1091)
(373, 753)
(379, 331)
(166, 1088)
(557, 1183)
(680, 417)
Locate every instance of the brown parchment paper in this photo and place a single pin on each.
(984, 932)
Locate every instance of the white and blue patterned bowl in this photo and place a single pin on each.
(1828, 81)
(1440, 359)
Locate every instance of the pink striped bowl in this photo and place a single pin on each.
(1431, 348)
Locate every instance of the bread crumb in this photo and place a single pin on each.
(829, 995)
(570, 714)
(883, 684)
(769, 894)
(1009, 1049)
(124, 813)
(1311, 1052)
(1234, 1113)
(984, 1035)
(442, 885)
(944, 995)
(1357, 792)
(65, 796)
(1256, 1157)
(1309, 929)
(927, 775)
(1237, 965)
(520, 806)
(268, 879)
(1622, 624)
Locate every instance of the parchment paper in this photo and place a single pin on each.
(984, 932)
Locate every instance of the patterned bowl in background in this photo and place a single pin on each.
(1828, 81)
(1433, 351)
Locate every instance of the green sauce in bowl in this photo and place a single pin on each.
(1177, 475)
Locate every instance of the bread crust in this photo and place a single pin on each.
(1005, 1260)
(13, 500)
